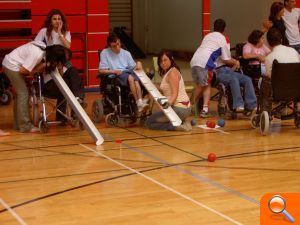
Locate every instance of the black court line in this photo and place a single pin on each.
(56, 146)
(243, 168)
(257, 153)
(93, 183)
(172, 146)
(76, 188)
(52, 136)
(71, 175)
(219, 157)
(80, 154)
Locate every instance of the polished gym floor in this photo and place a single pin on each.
(151, 177)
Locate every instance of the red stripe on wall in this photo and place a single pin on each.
(205, 17)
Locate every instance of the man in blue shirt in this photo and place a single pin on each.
(115, 60)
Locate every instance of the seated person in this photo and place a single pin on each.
(256, 49)
(23, 61)
(225, 67)
(72, 79)
(117, 61)
(282, 54)
(172, 86)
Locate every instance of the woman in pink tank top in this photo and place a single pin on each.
(172, 86)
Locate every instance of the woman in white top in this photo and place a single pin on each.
(172, 86)
(55, 31)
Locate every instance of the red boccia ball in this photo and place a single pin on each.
(211, 157)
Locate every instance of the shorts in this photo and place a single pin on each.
(200, 75)
(123, 78)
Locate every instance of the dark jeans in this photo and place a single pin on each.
(159, 121)
(74, 82)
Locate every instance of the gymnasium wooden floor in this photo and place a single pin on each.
(151, 178)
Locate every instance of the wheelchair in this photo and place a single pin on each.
(5, 90)
(278, 94)
(224, 100)
(40, 115)
(117, 104)
(253, 71)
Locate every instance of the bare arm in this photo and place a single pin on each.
(233, 63)
(106, 72)
(173, 80)
(254, 56)
(63, 39)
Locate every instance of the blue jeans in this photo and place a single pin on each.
(159, 121)
(235, 80)
(296, 47)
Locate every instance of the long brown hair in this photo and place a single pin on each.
(276, 7)
(48, 23)
(171, 58)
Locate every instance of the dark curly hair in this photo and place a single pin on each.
(55, 54)
(48, 23)
(255, 36)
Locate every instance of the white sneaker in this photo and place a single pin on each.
(240, 109)
(142, 106)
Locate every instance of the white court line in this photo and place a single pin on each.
(166, 187)
(20, 220)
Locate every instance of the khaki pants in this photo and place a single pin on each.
(21, 107)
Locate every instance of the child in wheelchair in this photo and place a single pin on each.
(122, 94)
(254, 53)
(116, 61)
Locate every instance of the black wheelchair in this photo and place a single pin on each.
(247, 68)
(278, 96)
(117, 104)
(5, 90)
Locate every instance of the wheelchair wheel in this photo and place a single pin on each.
(297, 122)
(111, 120)
(97, 111)
(43, 126)
(6, 97)
(255, 121)
(233, 115)
(264, 123)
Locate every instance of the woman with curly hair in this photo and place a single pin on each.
(55, 30)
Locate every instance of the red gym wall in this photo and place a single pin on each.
(88, 22)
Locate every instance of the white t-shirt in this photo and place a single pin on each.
(27, 56)
(282, 54)
(291, 23)
(55, 40)
(214, 48)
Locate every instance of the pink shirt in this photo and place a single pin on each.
(251, 49)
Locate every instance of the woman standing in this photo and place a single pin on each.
(276, 19)
(172, 86)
